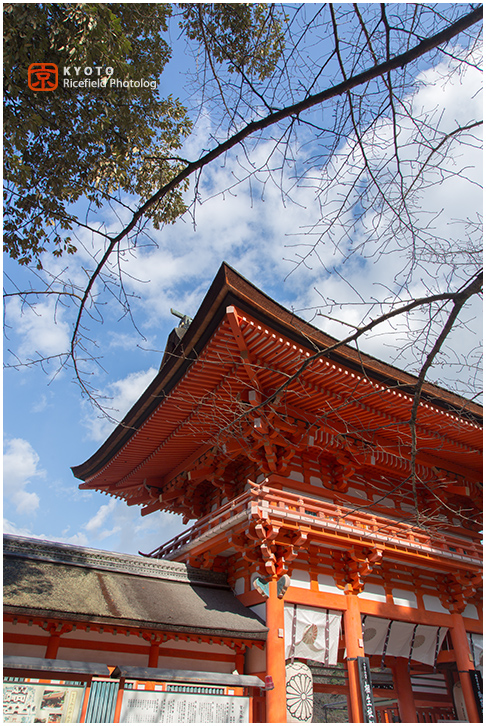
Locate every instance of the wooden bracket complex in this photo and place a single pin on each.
(456, 589)
(350, 568)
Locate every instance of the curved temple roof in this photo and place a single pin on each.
(178, 419)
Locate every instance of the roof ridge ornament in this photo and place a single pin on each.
(185, 319)
(176, 335)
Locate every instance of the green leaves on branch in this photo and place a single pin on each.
(248, 36)
(92, 143)
(96, 143)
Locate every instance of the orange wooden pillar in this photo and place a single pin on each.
(403, 687)
(53, 646)
(55, 632)
(353, 634)
(276, 699)
(464, 665)
(154, 639)
(153, 655)
(240, 660)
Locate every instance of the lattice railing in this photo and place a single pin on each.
(264, 503)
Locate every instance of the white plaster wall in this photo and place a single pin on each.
(471, 611)
(326, 584)
(407, 507)
(185, 664)
(129, 658)
(111, 658)
(373, 592)
(21, 649)
(300, 578)
(383, 502)
(24, 650)
(317, 497)
(296, 476)
(405, 598)
(359, 493)
(433, 604)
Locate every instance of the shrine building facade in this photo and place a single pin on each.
(332, 566)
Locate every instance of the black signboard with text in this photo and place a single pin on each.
(364, 671)
(477, 684)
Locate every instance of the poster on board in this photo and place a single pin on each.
(28, 701)
(161, 706)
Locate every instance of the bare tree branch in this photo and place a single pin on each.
(459, 299)
(289, 111)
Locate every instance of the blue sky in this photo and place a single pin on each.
(49, 427)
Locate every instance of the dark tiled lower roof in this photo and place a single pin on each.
(36, 586)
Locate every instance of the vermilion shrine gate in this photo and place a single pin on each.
(293, 456)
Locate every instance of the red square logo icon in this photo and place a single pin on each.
(42, 76)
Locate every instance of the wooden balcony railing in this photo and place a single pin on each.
(324, 520)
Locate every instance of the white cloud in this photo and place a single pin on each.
(76, 539)
(40, 405)
(97, 521)
(265, 234)
(80, 539)
(117, 400)
(255, 229)
(11, 528)
(128, 341)
(247, 227)
(144, 534)
(41, 328)
(265, 228)
(20, 466)
(121, 528)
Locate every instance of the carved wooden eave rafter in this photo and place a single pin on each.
(228, 396)
(342, 454)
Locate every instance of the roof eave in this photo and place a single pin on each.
(230, 284)
(104, 621)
